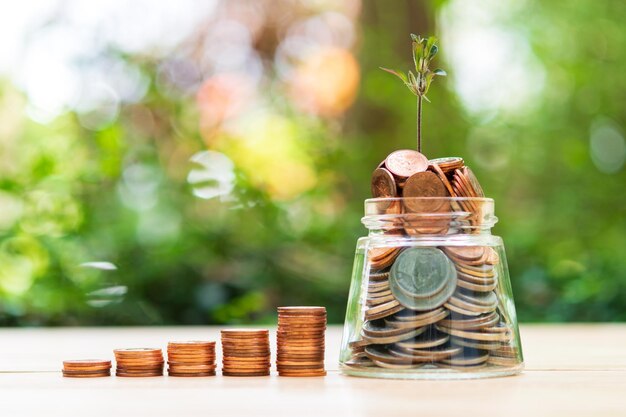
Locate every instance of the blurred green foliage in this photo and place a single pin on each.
(118, 193)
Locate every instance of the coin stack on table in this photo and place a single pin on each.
(191, 359)
(139, 362)
(301, 341)
(246, 352)
(86, 368)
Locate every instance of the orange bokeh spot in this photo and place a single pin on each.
(326, 82)
(222, 97)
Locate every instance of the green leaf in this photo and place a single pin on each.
(398, 74)
(433, 51)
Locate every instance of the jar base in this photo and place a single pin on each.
(432, 374)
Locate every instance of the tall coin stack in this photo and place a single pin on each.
(246, 352)
(189, 359)
(139, 362)
(300, 339)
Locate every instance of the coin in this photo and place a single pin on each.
(468, 357)
(473, 181)
(448, 164)
(428, 339)
(388, 365)
(422, 278)
(462, 303)
(419, 320)
(442, 177)
(378, 353)
(69, 374)
(303, 310)
(406, 334)
(424, 184)
(374, 286)
(475, 344)
(379, 276)
(404, 163)
(476, 287)
(425, 355)
(383, 184)
(470, 323)
(475, 335)
(465, 253)
(381, 258)
(383, 310)
(487, 299)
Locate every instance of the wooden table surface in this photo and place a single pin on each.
(571, 370)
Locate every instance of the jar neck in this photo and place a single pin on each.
(427, 216)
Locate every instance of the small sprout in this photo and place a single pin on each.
(424, 50)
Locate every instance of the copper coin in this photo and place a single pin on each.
(243, 374)
(448, 164)
(138, 351)
(406, 162)
(424, 184)
(302, 310)
(244, 332)
(304, 342)
(98, 372)
(191, 343)
(85, 375)
(473, 181)
(198, 374)
(383, 184)
(302, 374)
(470, 253)
(383, 310)
(444, 180)
(142, 375)
(86, 362)
(245, 365)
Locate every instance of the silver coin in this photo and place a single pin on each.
(422, 278)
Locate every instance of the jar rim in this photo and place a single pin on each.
(392, 199)
(436, 214)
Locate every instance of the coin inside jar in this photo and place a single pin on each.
(422, 278)
(406, 162)
(424, 184)
(383, 184)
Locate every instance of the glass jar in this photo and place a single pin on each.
(430, 296)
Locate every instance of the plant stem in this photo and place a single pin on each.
(419, 124)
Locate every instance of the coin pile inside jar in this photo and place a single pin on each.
(86, 368)
(191, 359)
(139, 362)
(432, 306)
(408, 173)
(301, 341)
(246, 352)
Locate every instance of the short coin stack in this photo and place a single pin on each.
(246, 352)
(139, 362)
(86, 368)
(191, 358)
(300, 338)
